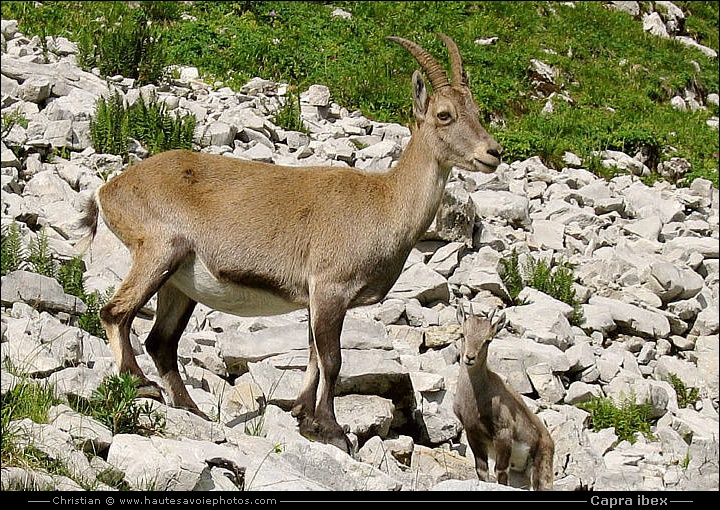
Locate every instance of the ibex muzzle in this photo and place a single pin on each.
(252, 238)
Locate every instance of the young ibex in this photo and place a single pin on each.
(251, 238)
(494, 416)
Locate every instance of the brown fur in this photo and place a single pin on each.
(322, 238)
(494, 415)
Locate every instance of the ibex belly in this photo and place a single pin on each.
(518, 458)
(195, 280)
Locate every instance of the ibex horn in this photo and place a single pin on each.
(434, 71)
(458, 74)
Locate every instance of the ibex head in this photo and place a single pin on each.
(478, 332)
(449, 119)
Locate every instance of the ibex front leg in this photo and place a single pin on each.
(304, 407)
(327, 312)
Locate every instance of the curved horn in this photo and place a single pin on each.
(456, 67)
(433, 69)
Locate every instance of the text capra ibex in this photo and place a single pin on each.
(252, 238)
(495, 417)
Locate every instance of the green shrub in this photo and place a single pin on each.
(158, 130)
(90, 319)
(627, 420)
(685, 396)
(12, 250)
(113, 404)
(556, 281)
(10, 120)
(130, 45)
(109, 129)
(288, 116)
(40, 256)
(148, 122)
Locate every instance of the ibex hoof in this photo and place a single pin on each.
(150, 389)
(195, 411)
(315, 431)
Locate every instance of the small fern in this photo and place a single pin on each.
(556, 281)
(685, 396)
(146, 120)
(13, 252)
(40, 256)
(627, 419)
(109, 129)
(288, 116)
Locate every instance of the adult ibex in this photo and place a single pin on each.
(251, 238)
(494, 415)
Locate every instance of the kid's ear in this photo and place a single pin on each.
(460, 314)
(499, 321)
(420, 97)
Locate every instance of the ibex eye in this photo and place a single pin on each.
(443, 116)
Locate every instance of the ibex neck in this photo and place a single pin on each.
(419, 181)
(475, 376)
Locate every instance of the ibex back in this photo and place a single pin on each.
(253, 238)
(494, 415)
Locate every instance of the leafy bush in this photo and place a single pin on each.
(109, 130)
(685, 396)
(158, 130)
(90, 320)
(113, 404)
(10, 120)
(129, 45)
(627, 420)
(288, 116)
(11, 247)
(556, 281)
(40, 258)
(148, 122)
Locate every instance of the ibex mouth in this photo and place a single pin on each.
(486, 167)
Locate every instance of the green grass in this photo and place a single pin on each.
(605, 60)
(25, 399)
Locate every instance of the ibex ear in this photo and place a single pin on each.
(460, 314)
(420, 96)
(499, 321)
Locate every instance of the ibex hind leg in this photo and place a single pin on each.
(173, 312)
(503, 444)
(542, 467)
(150, 269)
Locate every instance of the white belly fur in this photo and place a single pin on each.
(194, 280)
(518, 458)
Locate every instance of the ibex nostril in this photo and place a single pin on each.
(496, 152)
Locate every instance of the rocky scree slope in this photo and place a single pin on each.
(646, 266)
